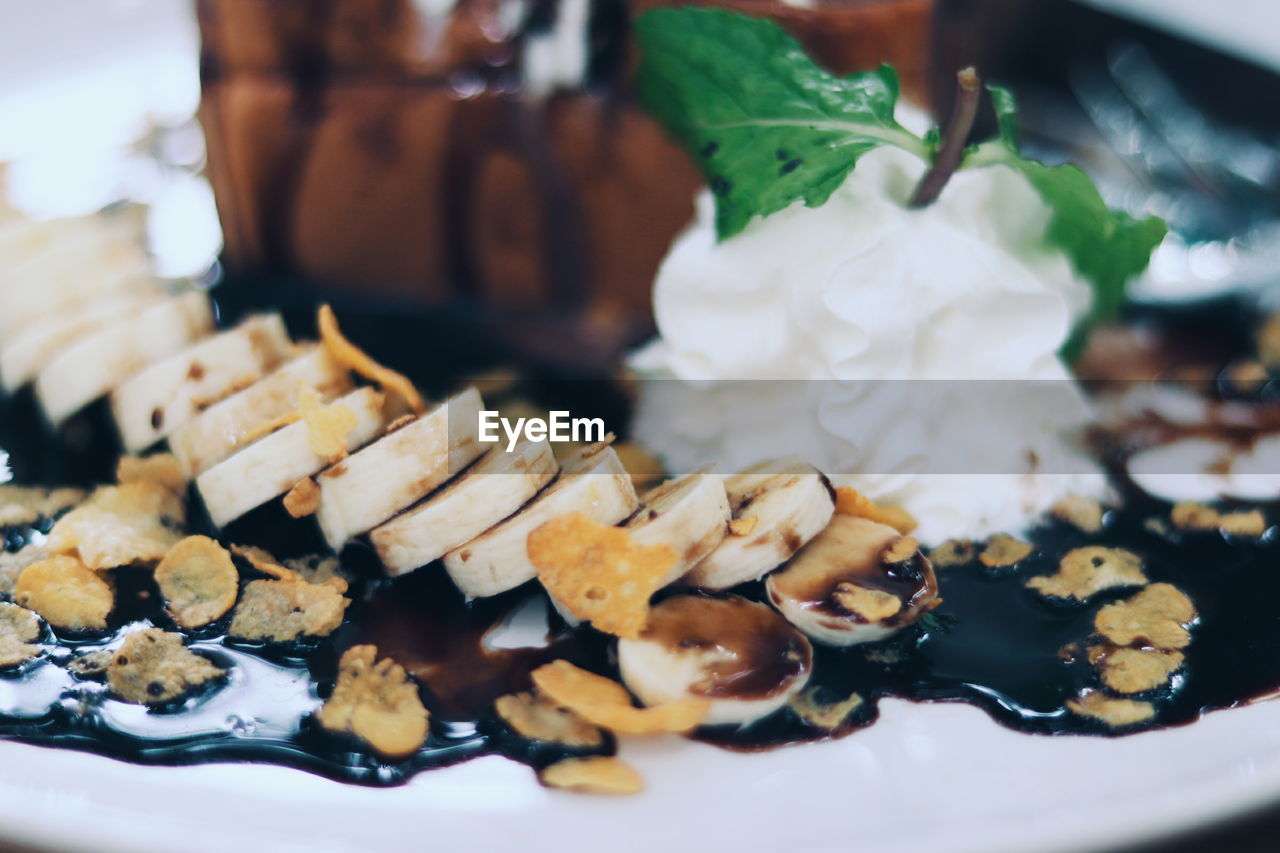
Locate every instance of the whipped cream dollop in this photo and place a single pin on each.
(836, 313)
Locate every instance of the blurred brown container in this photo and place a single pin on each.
(372, 150)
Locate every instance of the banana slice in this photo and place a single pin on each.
(215, 433)
(51, 285)
(780, 505)
(690, 513)
(857, 582)
(272, 465)
(167, 394)
(369, 487)
(488, 492)
(99, 362)
(34, 346)
(593, 482)
(741, 655)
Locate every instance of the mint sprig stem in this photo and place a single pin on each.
(951, 149)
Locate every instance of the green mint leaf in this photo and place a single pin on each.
(767, 126)
(1106, 247)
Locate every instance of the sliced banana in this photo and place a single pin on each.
(592, 482)
(689, 513)
(781, 504)
(741, 655)
(858, 581)
(488, 492)
(272, 465)
(369, 487)
(216, 432)
(47, 288)
(95, 364)
(32, 347)
(167, 394)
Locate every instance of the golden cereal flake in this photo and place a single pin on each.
(12, 564)
(742, 526)
(1083, 572)
(1134, 670)
(598, 572)
(130, 523)
(596, 774)
(1251, 523)
(823, 715)
(1083, 513)
(22, 505)
(91, 665)
(262, 560)
(534, 716)
(66, 593)
(607, 703)
(198, 581)
(1157, 616)
(870, 604)
(849, 501)
(19, 629)
(153, 666)
(1116, 713)
(284, 610)
(1003, 550)
(900, 550)
(377, 703)
(303, 499)
(953, 552)
(320, 568)
(353, 358)
(160, 468)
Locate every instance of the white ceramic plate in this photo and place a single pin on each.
(935, 778)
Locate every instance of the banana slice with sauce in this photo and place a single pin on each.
(857, 582)
(742, 656)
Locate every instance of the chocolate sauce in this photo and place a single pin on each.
(992, 643)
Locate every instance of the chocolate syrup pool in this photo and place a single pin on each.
(994, 643)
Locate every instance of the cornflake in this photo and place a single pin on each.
(607, 703)
(742, 526)
(66, 593)
(353, 358)
(1084, 572)
(12, 564)
(377, 703)
(319, 568)
(1198, 517)
(1134, 670)
(598, 572)
(91, 665)
(328, 425)
(162, 469)
(303, 499)
(23, 505)
(1116, 713)
(130, 523)
(849, 501)
(1157, 617)
(953, 552)
(1003, 550)
(197, 581)
(284, 610)
(823, 715)
(1083, 513)
(871, 605)
(534, 716)
(596, 774)
(153, 667)
(19, 628)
